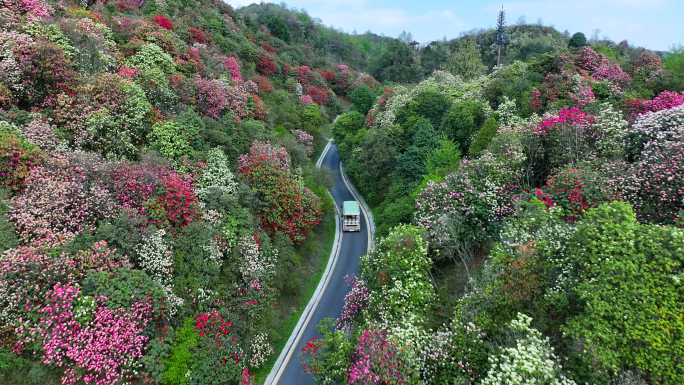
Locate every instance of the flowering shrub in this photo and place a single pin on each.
(234, 69)
(306, 100)
(132, 184)
(574, 190)
(63, 197)
(457, 352)
(305, 139)
(318, 96)
(174, 208)
(100, 351)
(263, 155)
(197, 35)
(214, 97)
(155, 257)
(266, 66)
(262, 83)
(655, 132)
(17, 159)
(163, 22)
(41, 133)
(654, 185)
(288, 206)
(217, 178)
(530, 360)
(400, 266)
(377, 359)
(354, 303)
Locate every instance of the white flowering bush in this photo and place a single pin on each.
(398, 270)
(529, 360)
(654, 132)
(155, 257)
(217, 178)
(611, 132)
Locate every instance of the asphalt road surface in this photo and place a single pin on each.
(352, 246)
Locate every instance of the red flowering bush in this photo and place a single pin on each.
(197, 35)
(266, 66)
(262, 83)
(163, 22)
(318, 96)
(176, 207)
(17, 159)
(287, 206)
(328, 76)
(132, 184)
(575, 191)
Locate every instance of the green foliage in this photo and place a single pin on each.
(431, 104)
(577, 40)
(462, 121)
(443, 160)
(629, 278)
(484, 136)
(180, 354)
(8, 239)
(362, 98)
(279, 29)
(674, 61)
(151, 58)
(173, 139)
(466, 61)
(312, 119)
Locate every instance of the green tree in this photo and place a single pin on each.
(312, 119)
(578, 40)
(462, 121)
(466, 61)
(363, 98)
(396, 63)
(500, 37)
(674, 61)
(443, 160)
(484, 136)
(279, 29)
(629, 281)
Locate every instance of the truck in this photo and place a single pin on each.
(351, 216)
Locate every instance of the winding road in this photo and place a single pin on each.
(329, 297)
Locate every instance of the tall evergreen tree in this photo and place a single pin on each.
(500, 38)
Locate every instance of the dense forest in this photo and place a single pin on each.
(162, 219)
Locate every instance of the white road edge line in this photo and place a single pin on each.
(291, 345)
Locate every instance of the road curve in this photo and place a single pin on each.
(288, 369)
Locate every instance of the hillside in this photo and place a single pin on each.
(162, 219)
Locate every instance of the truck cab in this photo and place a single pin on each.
(351, 216)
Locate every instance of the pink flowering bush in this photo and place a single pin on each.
(306, 100)
(97, 351)
(63, 197)
(655, 132)
(378, 359)
(653, 185)
(305, 139)
(132, 184)
(233, 68)
(354, 303)
(215, 97)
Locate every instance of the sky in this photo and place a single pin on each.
(653, 24)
